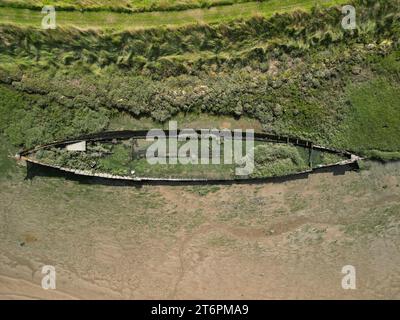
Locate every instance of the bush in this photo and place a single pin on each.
(276, 160)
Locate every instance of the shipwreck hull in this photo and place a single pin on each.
(348, 163)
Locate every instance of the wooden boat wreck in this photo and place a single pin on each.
(121, 155)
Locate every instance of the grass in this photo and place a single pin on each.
(117, 162)
(201, 171)
(231, 74)
(123, 121)
(119, 21)
(143, 168)
(382, 155)
(7, 163)
(217, 240)
(27, 122)
(203, 190)
(119, 5)
(376, 221)
(74, 82)
(323, 158)
(277, 160)
(373, 118)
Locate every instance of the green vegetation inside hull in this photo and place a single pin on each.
(124, 155)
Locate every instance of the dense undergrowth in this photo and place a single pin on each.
(299, 74)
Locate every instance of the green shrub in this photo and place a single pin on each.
(276, 160)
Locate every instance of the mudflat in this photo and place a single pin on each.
(285, 240)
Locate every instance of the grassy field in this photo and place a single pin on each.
(119, 21)
(119, 5)
(298, 74)
(372, 122)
